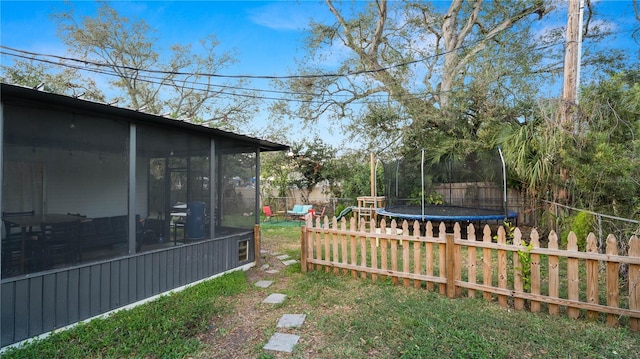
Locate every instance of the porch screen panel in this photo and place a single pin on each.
(65, 167)
(237, 193)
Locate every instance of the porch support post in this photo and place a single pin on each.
(132, 188)
(258, 199)
(1, 179)
(256, 231)
(213, 188)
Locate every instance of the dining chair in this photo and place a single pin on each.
(12, 241)
(59, 243)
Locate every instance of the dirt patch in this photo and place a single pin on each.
(243, 331)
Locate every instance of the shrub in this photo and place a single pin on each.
(581, 224)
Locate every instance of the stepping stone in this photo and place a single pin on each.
(274, 298)
(264, 267)
(291, 320)
(290, 262)
(264, 251)
(264, 283)
(283, 257)
(282, 342)
(272, 271)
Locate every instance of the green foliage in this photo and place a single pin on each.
(509, 228)
(525, 266)
(581, 223)
(351, 176)
(432, 198)
(311, 163)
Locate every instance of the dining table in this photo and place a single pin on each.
(36, 220)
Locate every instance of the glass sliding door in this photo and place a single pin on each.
(174, 206)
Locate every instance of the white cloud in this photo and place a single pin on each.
(282, 15)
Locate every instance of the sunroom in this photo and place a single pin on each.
(103, 207)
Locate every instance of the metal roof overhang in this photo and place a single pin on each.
(18, 95)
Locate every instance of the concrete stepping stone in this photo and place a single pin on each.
(275, 298)
(264, 267)
(272, 271)
(289, 262)
(291, 320)
(282, 342)
(264, 283)
(283, 257)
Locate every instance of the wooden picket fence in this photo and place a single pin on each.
(521, 274)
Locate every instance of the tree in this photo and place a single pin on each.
(66, 81)
(412, 54)
(310, 164)
(125, 51)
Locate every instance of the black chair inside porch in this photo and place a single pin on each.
(59, 244)
(12, 244)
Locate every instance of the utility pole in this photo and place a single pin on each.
(570, 84)
(571, 63)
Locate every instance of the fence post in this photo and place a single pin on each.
(303, 249)
(634, 282)
(450, 264)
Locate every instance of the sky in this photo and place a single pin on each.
(265, 36)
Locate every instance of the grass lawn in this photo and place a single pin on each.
(346, 318)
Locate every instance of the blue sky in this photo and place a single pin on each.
(264, 35)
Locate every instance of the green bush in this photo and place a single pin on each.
(581, 224)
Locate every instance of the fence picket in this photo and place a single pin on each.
(429, 254)
(406, 263)
(363, 249)
(535, 271)
(442, 249)
(450, 271)
(384, 243)
(326, 240)
(634, 282)
(486, 263)
(343, 240)
(394, 259)
(592, 276)
(354, 246)
(334, 239)
(471, 260)
(417, 251)
(502, 266)
(373, 244)
(612, 280)
(457, 258)
(554, 271)
(518, 284)
(573, 288)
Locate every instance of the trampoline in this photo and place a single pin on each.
(466, 188)
(444, 213)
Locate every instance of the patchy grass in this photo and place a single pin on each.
(164, 328)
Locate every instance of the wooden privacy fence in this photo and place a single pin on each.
(522, 273)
